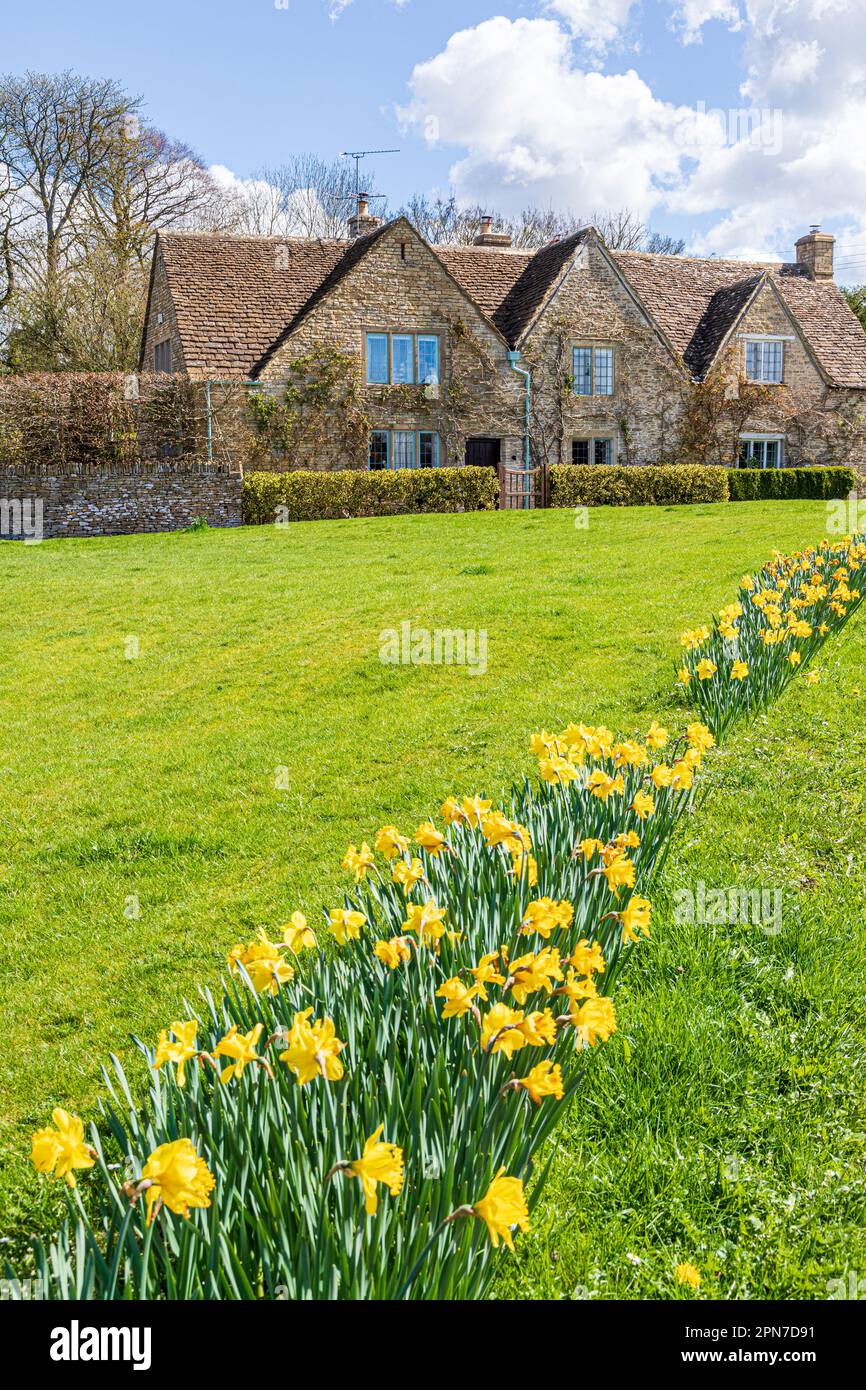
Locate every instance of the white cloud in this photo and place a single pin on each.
(539, 128)
(596, 25)
(690, 16)
(531, 124)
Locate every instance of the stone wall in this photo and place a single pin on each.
(149, 497)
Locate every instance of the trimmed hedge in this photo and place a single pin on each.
(317, 496)
(756, 484)
(591, 485)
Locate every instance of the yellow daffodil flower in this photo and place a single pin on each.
(61, 1150)
(297, 935)
(545, 1079)
(313, 1049)
(390, 842)
(503, 1206)
(381, 1162)
(177, 1178)
(345, 925)
(459, 997)
(241, 1047)
(393, 953)
(594, 1019)
(181, 1050)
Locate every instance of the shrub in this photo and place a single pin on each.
(318, 496)
(573, 485)
(757, 484)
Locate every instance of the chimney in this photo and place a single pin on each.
(487, 237)
(361, 222)
(815, 254)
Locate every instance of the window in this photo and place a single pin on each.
(428, 360)
(377, 359)
(598, 451)
(764, 361)
(604, 371)
(592, 371)
(162, 356)
(404, 449)
(379, 449)
(428, 449)
(761, 453)
(402, 359)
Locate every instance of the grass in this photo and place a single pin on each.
(211, 784)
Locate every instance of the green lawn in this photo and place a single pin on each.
(154, 779)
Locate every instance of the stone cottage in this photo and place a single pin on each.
(399, 354)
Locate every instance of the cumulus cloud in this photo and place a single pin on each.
(596, 25)
(538, 127)
(531, 122)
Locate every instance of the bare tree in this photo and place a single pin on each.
(55, 135)
(305, 197)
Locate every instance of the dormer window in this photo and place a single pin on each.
(592, 371)
(765, 360)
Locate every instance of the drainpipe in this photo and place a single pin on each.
(513, 360)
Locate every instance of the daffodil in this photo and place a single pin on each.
(393, 952)
(358, 861)
(635, 917)
(544, 916)
(176, 1178)
(657, 736)
(603, 786)
(594, 1019)
(380, 1162)
(313, 1049)
(345, 924)
(590, 847)
(297, 935)
(533, 972)
(545, 1079)
(407, 875)
(390, 842)
(500, 1031)
(459, 997)
(620, 873)
(264, 965)
(739, 671)
(643, 805)
(180, 1050)
(239, 1046)
(706, 669)
(502, 1207)
(587, 958)
(487, 972)
(426, 921)
(61, 1150)
(431, 839)
(699, 737)
(539, 1028)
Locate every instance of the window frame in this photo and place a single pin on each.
(391, 451)
(759, 345)
(750, 440)
(592, 441)
(416, 336)
(593, 351)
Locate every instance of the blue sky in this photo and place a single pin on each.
(509, 101)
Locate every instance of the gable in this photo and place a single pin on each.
(397, 282)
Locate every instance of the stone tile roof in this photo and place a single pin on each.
(238, 298)
(695, 302)
(234, 296)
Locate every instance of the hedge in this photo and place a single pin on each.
(756, 484)
(575, 485)
(315, 496)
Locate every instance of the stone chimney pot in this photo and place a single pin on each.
(815, 253)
